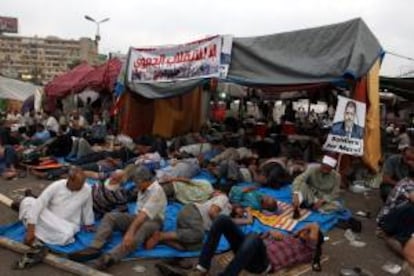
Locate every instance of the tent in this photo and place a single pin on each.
(327, 54)
(12, 89)
(344, 53)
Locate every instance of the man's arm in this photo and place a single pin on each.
(88, 217)
(387, 179)
(301, 179)
(388, 172)
(128, 240)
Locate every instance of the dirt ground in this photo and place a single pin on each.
(341, 254)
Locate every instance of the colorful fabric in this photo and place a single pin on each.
(283, 220)
(106, 200)
(397, 196)
(289, 251)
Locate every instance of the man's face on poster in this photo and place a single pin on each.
(349, 115)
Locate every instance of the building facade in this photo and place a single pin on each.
(41, 59)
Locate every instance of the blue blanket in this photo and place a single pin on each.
(16, 231)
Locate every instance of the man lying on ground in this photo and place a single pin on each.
(318, 188)
(149, 217)
(192, 221)
(267, 252)
(250, 197)
(59, 212)
(186, 190)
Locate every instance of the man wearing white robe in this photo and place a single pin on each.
(59, 212)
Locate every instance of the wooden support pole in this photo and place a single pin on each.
(53, 260)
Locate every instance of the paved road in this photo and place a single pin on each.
(341, 254)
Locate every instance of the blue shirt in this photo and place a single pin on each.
(42, 136)
(251, 199)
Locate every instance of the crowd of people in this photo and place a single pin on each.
(151, 171)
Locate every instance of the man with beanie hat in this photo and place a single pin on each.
(318, 187)
(149, 217)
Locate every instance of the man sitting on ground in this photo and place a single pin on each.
(151, 204)
(318, 188)
(395, 169)
(59, 212)
(395, 217)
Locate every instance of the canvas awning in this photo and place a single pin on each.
(12, 89)
(327, 54)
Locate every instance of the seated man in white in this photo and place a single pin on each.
(59, 212)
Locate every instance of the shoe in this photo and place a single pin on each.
(29, 193)
(84, 255)
(15, 205)
(103, 262)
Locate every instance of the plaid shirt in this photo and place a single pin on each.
(397, 196)
(289, 251)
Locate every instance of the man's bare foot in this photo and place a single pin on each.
(153, 240)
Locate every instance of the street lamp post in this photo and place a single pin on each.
(98, 23)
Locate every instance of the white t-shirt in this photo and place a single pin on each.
(52, 124)
(152, 202)
(221, 201)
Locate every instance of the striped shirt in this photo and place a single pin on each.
(106, 200)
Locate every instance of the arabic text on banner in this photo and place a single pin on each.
(199, 59)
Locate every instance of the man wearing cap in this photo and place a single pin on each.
(149, 217)
(59, 212)
(318, 188)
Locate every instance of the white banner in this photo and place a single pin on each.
(347, 131)
(204, 58)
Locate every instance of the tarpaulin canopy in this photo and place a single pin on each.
(12, 89)
(64, 84)
(403, 87)
(84, 76)
(325, 54)
(102, 77)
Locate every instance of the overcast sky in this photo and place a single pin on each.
(157, 22)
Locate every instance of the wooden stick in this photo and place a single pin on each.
(5, 200)
(53, 260)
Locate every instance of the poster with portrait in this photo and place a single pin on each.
(347, 131)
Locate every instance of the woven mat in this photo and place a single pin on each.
(224, 259)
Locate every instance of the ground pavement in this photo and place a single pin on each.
(371, 257)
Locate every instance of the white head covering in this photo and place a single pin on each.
(329, 161)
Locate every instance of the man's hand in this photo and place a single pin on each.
(89, 228)
(318, 204)
(128, 242)
(249, 189)
(30, 235)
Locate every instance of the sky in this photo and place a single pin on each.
(141, 23)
